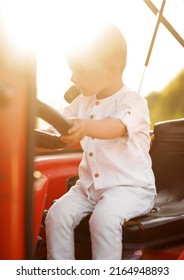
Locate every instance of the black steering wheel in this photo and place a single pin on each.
(47, 140)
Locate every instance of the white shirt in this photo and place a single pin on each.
(122, 161)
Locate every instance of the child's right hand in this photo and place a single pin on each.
(76, 133)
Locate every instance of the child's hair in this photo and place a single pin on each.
(107, 45)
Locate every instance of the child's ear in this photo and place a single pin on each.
(112, 70)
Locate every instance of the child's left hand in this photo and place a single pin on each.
(76, 133)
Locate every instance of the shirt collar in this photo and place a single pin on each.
(112, 97)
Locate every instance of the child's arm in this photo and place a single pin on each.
(101, 129)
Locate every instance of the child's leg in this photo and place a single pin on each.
(116, 205)
(64, 215)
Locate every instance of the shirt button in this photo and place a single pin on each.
(91, 117)
(90, 154)
(96, 175)
(97, 102)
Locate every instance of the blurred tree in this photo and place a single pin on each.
(169, 103)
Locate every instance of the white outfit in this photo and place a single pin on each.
(116, 180)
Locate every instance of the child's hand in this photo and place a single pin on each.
(76, 133)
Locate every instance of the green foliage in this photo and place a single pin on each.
(169, 103)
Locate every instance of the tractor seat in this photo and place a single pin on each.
(165, 223)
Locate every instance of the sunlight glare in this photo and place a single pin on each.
(52, 26)
(20, 22)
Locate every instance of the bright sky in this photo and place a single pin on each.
(49, 25)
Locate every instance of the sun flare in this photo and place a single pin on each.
(49, 28)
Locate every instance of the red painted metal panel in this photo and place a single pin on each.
(16, 87)
(57, 168)
(12, 166)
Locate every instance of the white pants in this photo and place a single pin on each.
(110, 208)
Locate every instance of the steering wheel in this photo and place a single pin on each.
(44, 139)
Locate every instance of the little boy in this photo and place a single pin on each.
(116, 182)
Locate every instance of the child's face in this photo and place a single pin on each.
(90, 79)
